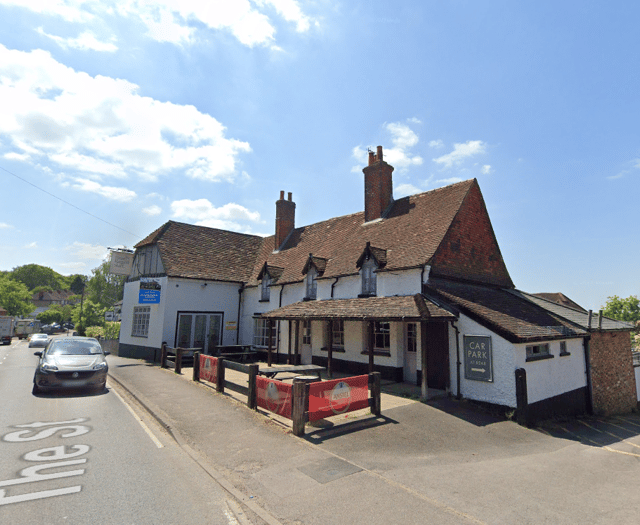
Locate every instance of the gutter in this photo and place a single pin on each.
(240, 290)
(458, 362)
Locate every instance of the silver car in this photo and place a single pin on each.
(71, 363)
(38, 341)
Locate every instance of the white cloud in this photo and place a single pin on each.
(101, 127)
(73, 267)
(436, 144)
(176, 21)
(203, 213)
(403, 138)
(86, 41)
(461, 152)
(405, 189)
(109, 192)
(31, 245)
(486, 169)
(152, 211)
(4, 225)
(83, 250)
(450, 180)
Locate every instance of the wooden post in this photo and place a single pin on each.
(179, 360)
(330, 351)
(196, 366)
(163, 356)
(252, 395)
(296, 353)
(522, 399)
(300, 402)
(289, 353)
(371, 343)
(424, 394)
(269, 335)
(374, 384)
(220, 376)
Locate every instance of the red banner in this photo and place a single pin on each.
(331, 398)
(208, 368)
(275, 396)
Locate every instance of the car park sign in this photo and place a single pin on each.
(478, 358)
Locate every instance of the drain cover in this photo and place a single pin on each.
(329, 470)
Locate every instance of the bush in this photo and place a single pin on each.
(111, 330)
(94, 331)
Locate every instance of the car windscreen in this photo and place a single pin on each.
(74, 348)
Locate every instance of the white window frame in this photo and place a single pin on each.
(140, 321)
(412, 338)
(382, 336)
(306, 332)
(311, 284)
(369, 277)
(337, 333)
(538, 351)
(261, 333)
(266, 290)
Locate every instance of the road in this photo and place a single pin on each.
(78, 458)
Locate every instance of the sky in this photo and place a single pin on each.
(116, 117)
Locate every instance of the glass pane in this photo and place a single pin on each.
(214, 333)
(184, 331)
(200, 330)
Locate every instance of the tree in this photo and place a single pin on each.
(92, 315)
(56, 314)
(15, 297)
(33, 275)
(105, 288)
(622, 309)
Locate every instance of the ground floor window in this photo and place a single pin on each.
(140, 325)
(337, 334)
(261, 333)
(381, 336)
(412, 338)
(200, 330)
(537, 351)
(306, 332)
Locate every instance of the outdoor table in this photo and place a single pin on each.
(271, 371)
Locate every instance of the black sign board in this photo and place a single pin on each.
(478, 358)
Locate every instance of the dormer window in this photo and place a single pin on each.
(371, 260)
(266, 282)
(311, 284)
(368, 274)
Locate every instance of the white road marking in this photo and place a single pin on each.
(142, 423)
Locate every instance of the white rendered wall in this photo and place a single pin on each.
(551, 377)
(157, 314)
(502, 390)
(637, 372)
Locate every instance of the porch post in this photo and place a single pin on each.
(330, 350)
(269, 349)
(370, 344)
(423, 355)
(297, 346)
(289, 345)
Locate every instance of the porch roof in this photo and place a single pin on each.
(398, 308)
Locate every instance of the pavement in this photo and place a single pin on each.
(442, 461)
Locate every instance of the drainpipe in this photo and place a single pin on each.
(332, 286)
(587, 363)
(458, 363)
(240, 290)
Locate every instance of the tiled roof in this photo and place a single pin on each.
(579, 317)
(408, 236)
(411, 307)
(198, 252)
(559, 298)
(509, 315)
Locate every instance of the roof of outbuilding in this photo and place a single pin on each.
(199, 252)
(405, 308)
(513, 317)
(559, 298)
(579, 317)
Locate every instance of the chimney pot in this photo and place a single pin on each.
(281, 195)
(289, 196)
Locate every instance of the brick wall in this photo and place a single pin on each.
(612, 375)
(470, 250)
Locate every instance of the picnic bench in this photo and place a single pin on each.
(239, 353)
(271, 371)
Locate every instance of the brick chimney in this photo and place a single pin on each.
(285, 219)
(378, 187)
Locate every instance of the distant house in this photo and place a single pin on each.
(50, 297)
(415, 288)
